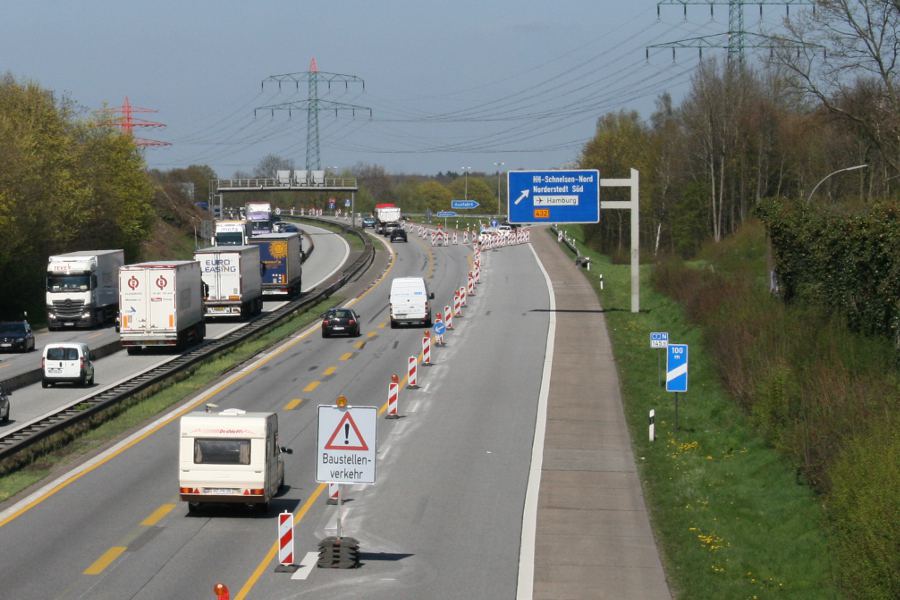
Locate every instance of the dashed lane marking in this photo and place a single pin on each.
(311, 386)
(346, 356)
(105, 560)
(157, 515)
(293, 404)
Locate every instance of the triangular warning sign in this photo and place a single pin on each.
(346, 436)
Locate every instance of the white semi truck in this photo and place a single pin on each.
(83, 288)
(231, 456)
(232, 282)
(161, 304)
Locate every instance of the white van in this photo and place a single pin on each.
(230, 457)
(409, 301)
(71, 362)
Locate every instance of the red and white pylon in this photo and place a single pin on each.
(466, 237)
(333, 492)
(462, 295)
(471, 284)
(393, 411)
(426, 348)
(448, 316)
(457, 304)
(412, 373)
(286, 538)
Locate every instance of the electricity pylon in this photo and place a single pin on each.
(736, 37)
(313, 104)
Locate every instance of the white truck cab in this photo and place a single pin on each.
(229, 457)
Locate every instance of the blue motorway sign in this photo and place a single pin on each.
(553, 196)
(659, 339)
(445, 213)
(677, 368)
(440, 328)
(464, 204)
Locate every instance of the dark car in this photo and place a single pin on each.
(398, 235)
(16, 336)
(4, 406)
(368, 222)
(339, 321)
(285, 227)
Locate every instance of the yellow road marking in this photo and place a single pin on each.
(105, 560)
(372, 334)
(329, 371)
(293, 404)
(157, 515)
(346, 356)
(381, 325)
(95, 334)
(311, 386)
(359, 346)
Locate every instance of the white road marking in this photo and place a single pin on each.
(306, 566)
(525, 589)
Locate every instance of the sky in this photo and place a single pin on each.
(450, 84)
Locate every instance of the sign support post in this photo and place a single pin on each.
(633, 205)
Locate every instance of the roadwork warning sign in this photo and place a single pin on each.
(346, 444)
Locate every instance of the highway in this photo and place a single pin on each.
(443, 520)
(32, 402)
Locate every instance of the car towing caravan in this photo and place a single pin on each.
(230, 457)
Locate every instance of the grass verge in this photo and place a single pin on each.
(145, 406)
(356, 244)
(729, 515)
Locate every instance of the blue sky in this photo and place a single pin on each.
(451, 84)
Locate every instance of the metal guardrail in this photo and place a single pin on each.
(26, 437)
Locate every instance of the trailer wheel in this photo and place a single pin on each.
(193, 508)
(134, 350)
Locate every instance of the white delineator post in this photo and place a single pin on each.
(286, 538)
(652, 425)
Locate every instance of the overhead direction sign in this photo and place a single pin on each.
(659, 339)
(464, 204)
(346, 444)
(445, 213)
(553, 196)
(677, 368)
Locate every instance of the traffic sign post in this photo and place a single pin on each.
(553, 196)
(677, 372)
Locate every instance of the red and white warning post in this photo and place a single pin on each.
(346, 444)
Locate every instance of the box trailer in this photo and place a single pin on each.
(160, 304)
(230, 456)
(83, 288)
(282, 259)
(232, 284)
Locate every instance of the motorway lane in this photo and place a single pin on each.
(33, 402)
(13, 364)
(451, 477)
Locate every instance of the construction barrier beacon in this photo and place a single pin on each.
(333, 493)
(286, 538)
(471, 285)
(426, 348)
(462, 295)
(221, 592)
(393, 411)
(412, 373)
(457, 304)
(448, 316)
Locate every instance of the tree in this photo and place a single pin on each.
(434, 196)
(270, 164)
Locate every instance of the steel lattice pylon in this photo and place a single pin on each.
(313, 104)
(736, 36)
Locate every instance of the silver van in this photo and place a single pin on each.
(71, 362)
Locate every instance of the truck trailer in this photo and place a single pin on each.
(230, 456)
(232, 284)
(83, 288)
(386, 216)
(281, 257)
(161, 304)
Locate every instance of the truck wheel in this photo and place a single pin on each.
(393, 324)
(134, 350)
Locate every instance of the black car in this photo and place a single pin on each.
(398, 235)
(339, 321)
(16, 336)
(288, 228)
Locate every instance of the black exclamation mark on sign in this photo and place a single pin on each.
(346, 434)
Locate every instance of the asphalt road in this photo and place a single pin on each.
(33, 402)
(442, 521)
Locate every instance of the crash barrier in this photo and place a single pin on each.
(95, 405)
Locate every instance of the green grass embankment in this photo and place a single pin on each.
(731, 519)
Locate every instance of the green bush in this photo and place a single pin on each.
(864, 509)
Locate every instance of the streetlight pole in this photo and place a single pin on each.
(808, 198)
(466, 171)
(498, 165)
